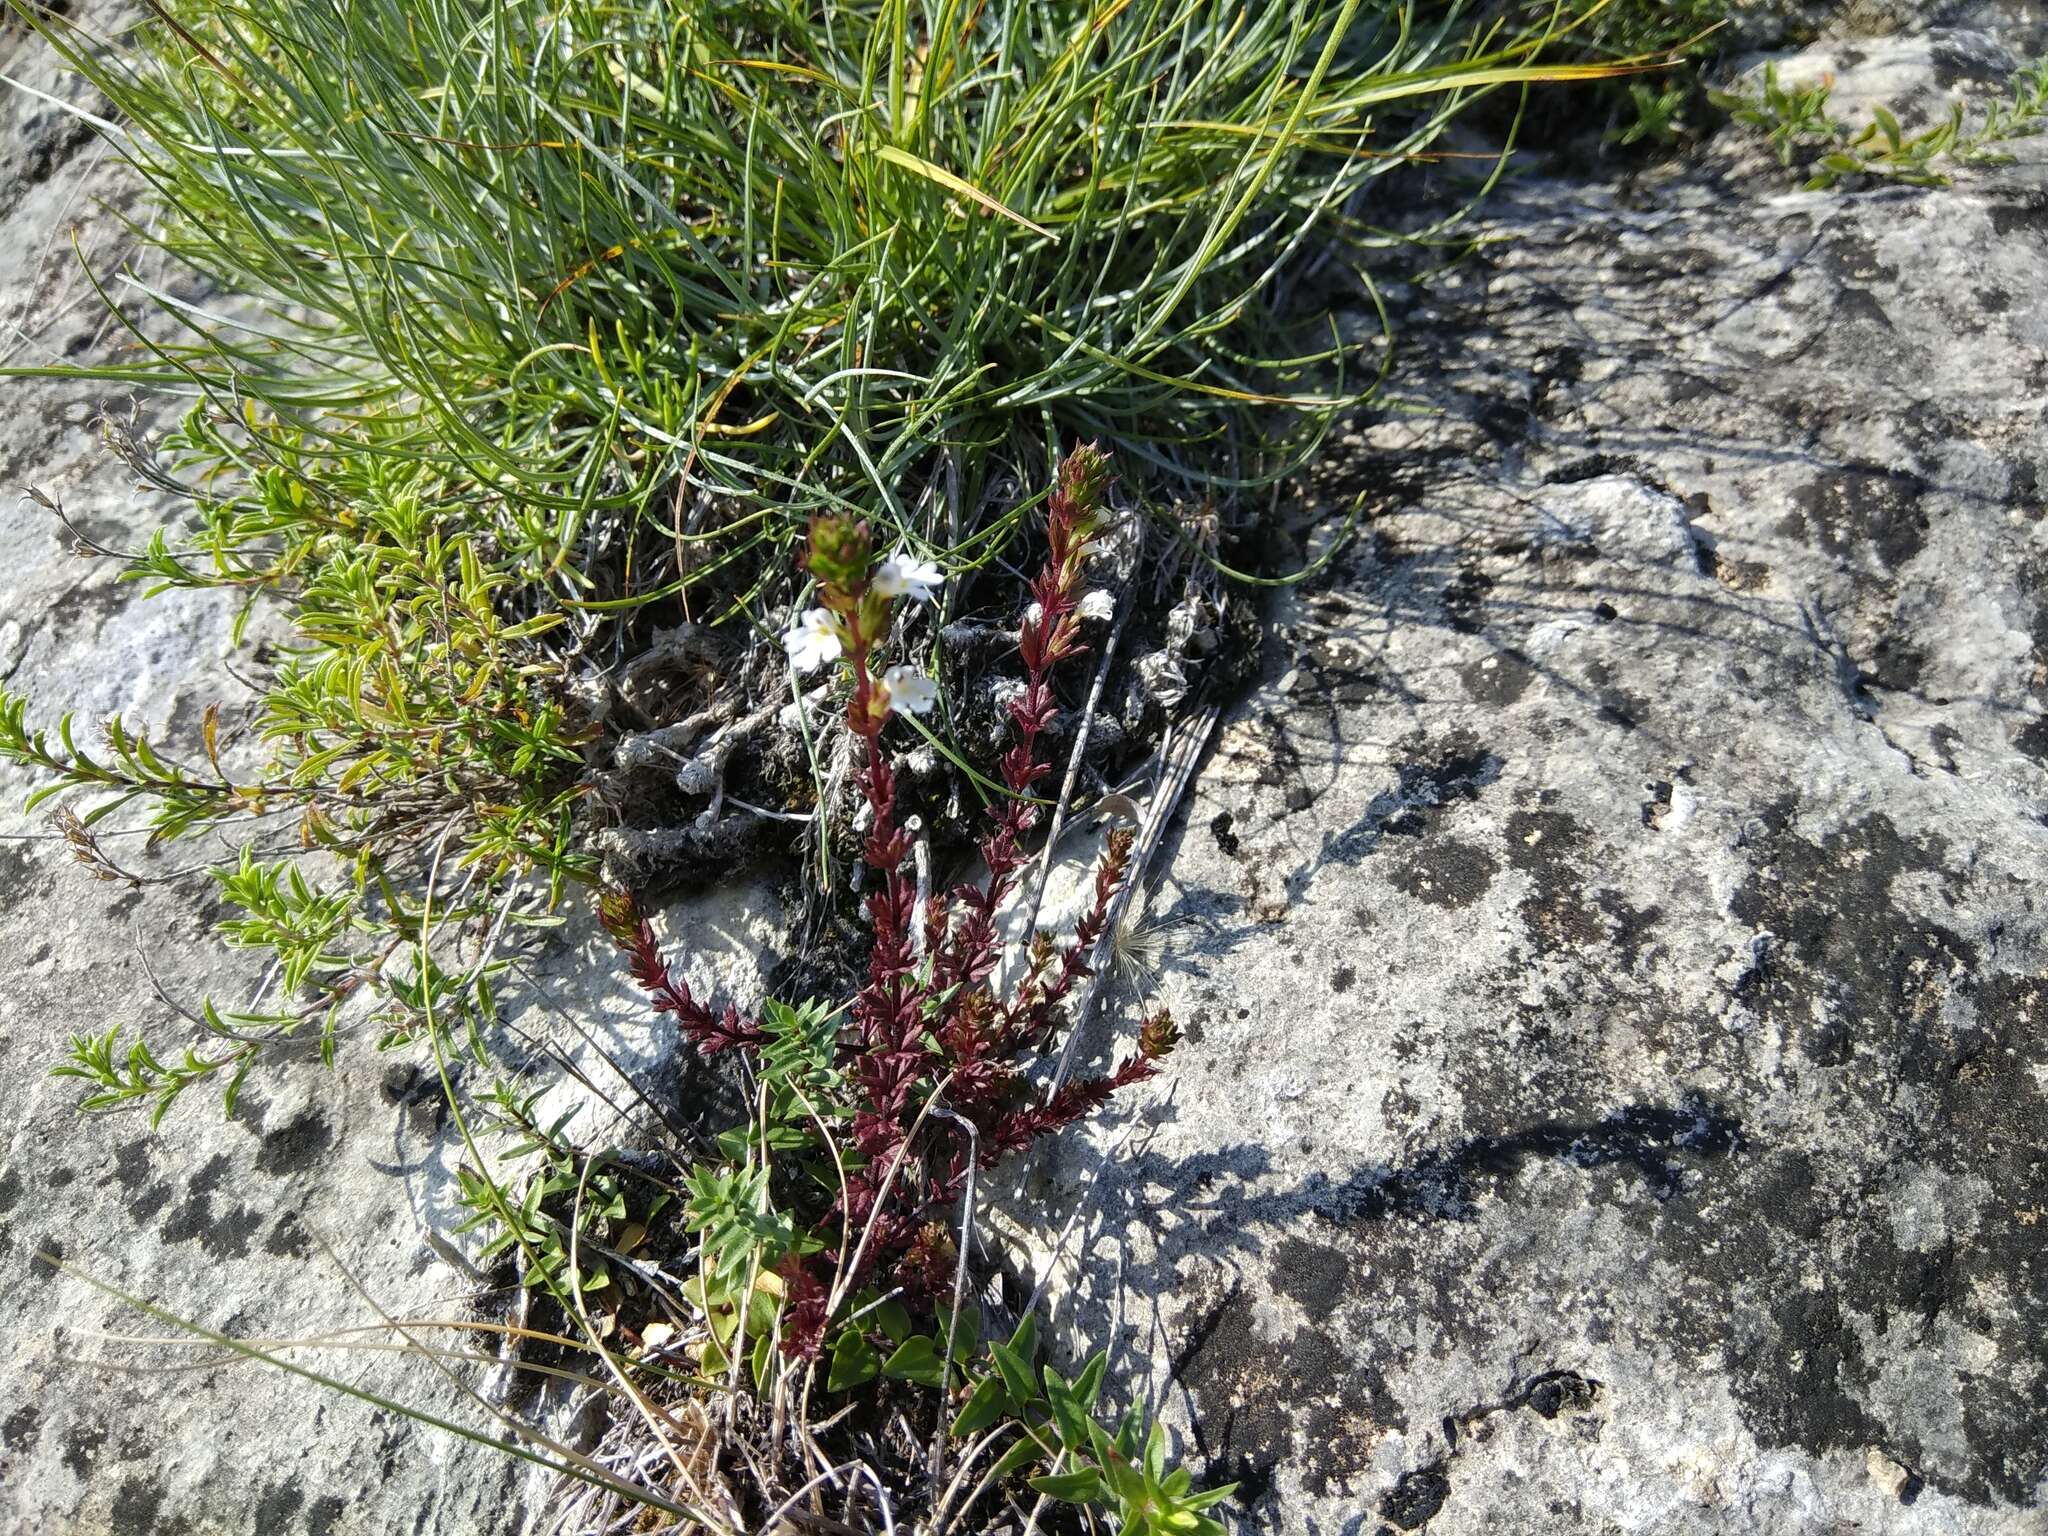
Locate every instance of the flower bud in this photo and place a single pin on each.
(1158, 1036)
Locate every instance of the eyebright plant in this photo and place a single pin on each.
(826, 1224)
(929, 1077)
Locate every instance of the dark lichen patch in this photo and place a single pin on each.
(279, 1504)
(1540, 842)
(1314, 1274)
(1945, 739)
(138, 1506)
(1989, 1077)
(222, 1237)
(23, 876)
(1596, 466)
(132, 1164)
(82, 1444)
(1803, 1397)
(1303, 1401)
(1843, 953)
(143, 1208)
(23, 1428)
(1416, 1498)
(1876, 511)
(288, 1238)
(1802, 1362)
(1991, 1113)
(297, 1145)
(2001, 1421)
(1499, 679)
(1558, 911)
(1925, 1050)
(2032, 739)
(2018, 215)
(1446, 873)
(1343, 978)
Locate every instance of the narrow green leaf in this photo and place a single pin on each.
(853, 1361)
(1016, 1371)
(945, 178)
(987, 1403)
(1081, 1487)
(895, 1320)
(917, 1359)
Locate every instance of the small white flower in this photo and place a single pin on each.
(903, 574)
(1096, 604)
(909, 689)
(1034, 614)
(812, 640)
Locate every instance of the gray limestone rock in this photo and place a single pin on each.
(1608, 942)
(1611, 943)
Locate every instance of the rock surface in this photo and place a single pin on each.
(1616, 1096)
(1611, 942)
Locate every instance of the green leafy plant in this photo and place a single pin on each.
(1125, 1472)
(595, 1207)
(1787, 117)
(1657, 114)
(1797, 123)
(417, 715)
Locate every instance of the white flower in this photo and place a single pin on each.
(903, 574)
(812, 640)
(1096, 604)
(909, 689)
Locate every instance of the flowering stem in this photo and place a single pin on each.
(710, 1033)
(932, 1061)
